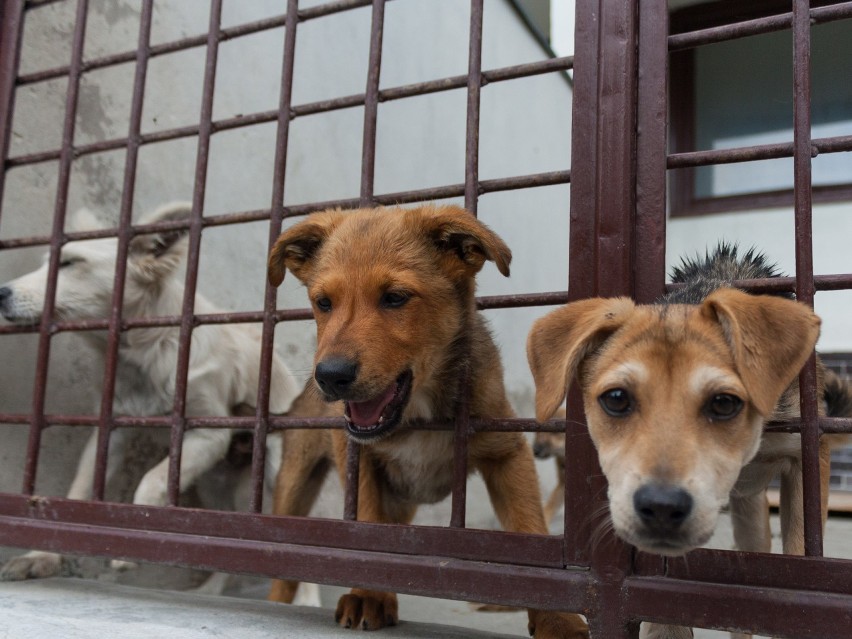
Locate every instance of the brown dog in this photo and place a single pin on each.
(392, 292)
(676, 396)
(545, 446)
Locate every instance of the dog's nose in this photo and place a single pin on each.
(335, 375)
(540, 450)
(5, 293)
(663, 508)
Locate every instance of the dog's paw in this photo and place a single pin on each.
(33, 565)
(121, 565)
(367, 610)
(557, 625)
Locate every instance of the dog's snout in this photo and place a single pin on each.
(663, 508)
(540, 450)
(336, 375)
(5, 293)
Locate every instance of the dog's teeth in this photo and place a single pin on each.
(381, 419)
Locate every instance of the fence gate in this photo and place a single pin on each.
(617, 244)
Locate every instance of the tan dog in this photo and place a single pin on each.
(393, 296)
(676, 396)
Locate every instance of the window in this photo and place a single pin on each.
(738, 94)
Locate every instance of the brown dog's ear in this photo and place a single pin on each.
(296, 247)
(559, 341)
(466, 241)
(770, 337)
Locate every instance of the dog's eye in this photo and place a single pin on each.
(323, 304)
(394, 299)
(67, 262)
(616, 402)
(723, 406)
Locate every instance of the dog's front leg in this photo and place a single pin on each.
(202, 449)
(369, 609)
(507, 466)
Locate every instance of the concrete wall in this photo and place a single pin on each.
(525, 129)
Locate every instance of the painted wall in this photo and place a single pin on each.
(420, 143)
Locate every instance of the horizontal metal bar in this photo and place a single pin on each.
(534, 180)
(754, 153)
(323, 106)
(712, 35)
(200, 40)
(764, 570)
(771, 611)
(474, 545)
(431, 576)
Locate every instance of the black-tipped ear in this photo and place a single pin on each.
(466, 240)
(159, 253)
(296, 247)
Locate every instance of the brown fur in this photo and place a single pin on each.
(350, 262)
(673, 359)
(545, 446)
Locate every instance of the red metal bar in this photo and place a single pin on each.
(368, 165)
(323, 106)
(819, 15)
(187, 324)
(124, 237)
(805, 267)
(11, 30)
(57, 239)
(271, 293)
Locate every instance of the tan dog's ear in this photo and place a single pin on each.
(296, 247)
(466, 241)
(559, 341)
(770, 337)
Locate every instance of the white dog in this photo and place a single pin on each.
(223, 367)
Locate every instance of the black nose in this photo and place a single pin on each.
(540, 450)
(335, 376)
(662, 508)
(5, 293)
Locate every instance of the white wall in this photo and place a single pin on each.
(421, 141)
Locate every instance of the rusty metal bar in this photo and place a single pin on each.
(124, 237)
(11, 31)
(271, 293)
(186, 326)
(501, 74)
(713, 35)
(757, 152)
(368, 165)
(471, 202)
(57, 239)
(805, 288)
(652, 125)
(200, 40)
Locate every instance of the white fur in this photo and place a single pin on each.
(223, 368)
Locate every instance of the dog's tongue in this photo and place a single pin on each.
(365, 414)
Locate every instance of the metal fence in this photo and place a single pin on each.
(617, 241)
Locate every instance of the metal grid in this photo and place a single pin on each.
(616, 247)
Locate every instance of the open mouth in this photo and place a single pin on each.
(375, 417)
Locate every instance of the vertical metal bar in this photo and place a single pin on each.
(471, 201)
(368, 167)
(649, 245)
(603, 187)
(11, 31)
(805, 289)
(195, 227)
(56, 240)
(124, 236)
(275, 220)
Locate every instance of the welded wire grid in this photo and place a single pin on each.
(616, 247)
